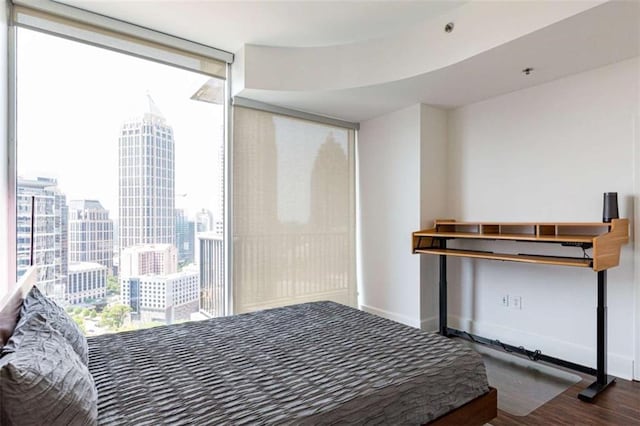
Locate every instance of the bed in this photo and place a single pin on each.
(314, 363)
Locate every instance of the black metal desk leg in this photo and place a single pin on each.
(443, 290)
(602, 379)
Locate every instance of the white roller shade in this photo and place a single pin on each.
(97, 30)
(293, 211)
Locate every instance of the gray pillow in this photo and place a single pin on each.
(37, 303)
(42, 379)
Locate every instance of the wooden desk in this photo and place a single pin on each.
(606, 240)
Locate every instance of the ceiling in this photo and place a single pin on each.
(228, 25)
(582, 42)
(599, 36)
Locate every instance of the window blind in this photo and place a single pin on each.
(293, 211)
(79, 25)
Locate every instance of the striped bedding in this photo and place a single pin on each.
(314, 363)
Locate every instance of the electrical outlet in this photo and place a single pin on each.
(505, 300)
(516, 302)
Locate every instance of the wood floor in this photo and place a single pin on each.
(618, 405)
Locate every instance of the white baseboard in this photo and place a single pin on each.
(429, 324)
(391, 315)
(617, 365)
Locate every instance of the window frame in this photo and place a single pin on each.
(57, 11)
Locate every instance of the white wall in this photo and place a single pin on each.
(400, 155)
(433, 203)
(547, 153)
(389, 178)
(7, 275)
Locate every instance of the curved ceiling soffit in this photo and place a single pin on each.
(577, 44)
(420, 50)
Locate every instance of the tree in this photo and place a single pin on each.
(113, 316)
(92, 313)
(113, 285)
(80, 321)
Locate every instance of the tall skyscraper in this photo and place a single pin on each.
(50, 233)
(219, 222)
(331, 240)
(211, 264)
(185, 234)
(329, 188)
(90, 233)
(204, 221)
(146, 180)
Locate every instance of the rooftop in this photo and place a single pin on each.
(85, 266)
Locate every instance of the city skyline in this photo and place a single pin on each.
(77, 142)
(106, 146)
(87, 123)
(131, 136)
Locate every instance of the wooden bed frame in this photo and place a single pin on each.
(476, 412)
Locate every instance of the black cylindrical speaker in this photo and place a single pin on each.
(610, 207)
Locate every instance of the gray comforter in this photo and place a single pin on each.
(314, 363)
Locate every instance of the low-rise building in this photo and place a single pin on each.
(87, 282)
(164, 298)
(148, 259)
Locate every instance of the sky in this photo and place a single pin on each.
(72, 100)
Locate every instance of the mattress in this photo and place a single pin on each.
(313, 363)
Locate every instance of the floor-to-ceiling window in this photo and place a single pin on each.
(121, 161)
(120, 181)
(293, 211)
